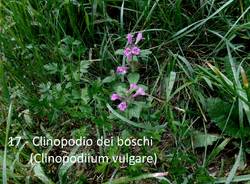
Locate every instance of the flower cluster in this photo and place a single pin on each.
(134, 90)
(121, 69)
(132, 49)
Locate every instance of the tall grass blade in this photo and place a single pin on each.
(235, 167)
(170, 84)
(242, 178)
(6, 144)
(3, 84)
(199, 23)
(127, 179)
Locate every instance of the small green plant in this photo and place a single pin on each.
(236, 107)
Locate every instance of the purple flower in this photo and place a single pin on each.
(136, 51)
(121, 69)
(122, 106)
(115, 97)
(130, 38)
(133, 86)
(140, 91)
(138, 37)
(127, 52)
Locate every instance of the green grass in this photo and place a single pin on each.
(57, 72)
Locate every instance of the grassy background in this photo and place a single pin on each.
(55, 60)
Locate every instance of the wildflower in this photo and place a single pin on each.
(130, 38)
(122, 106)
(115, 96)
(140, 91)
(138, 37)
(133, 86)
(121, 69)
(135, 51)
(127, 52)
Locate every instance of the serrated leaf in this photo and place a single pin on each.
(84, 95)
(84, 65)
(52, 68)
(226, 116)
(202, 140)
(135, 111)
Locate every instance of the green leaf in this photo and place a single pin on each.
(68, 40)
(133, 78)
(76, 94)
(170, 84)
(225, 115)
(241, 178)
(65, 167)
(119, 52)
(76, 76)
(85, 95)
(41, 175)
(126, 179)
(87, 20)
(145, 53)
(27, 117)
(52, 68)
(202, 140)
(216, 151)
(135, 111)
(235, 167)
(84, 65)
(3, 84)
(121, 89)
(208, 81)
(185, 31)
(138, 125)
(108, 79)
(4, 167)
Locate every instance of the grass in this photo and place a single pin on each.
(57, 72)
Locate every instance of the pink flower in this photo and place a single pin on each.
(115, 97)
(121, 69)
(130, 38)
(136, 51)
(140, 91)
(133, 86)
(122, 106)
(127, 52)
(138, 37)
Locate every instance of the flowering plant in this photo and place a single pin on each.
(127, 95)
